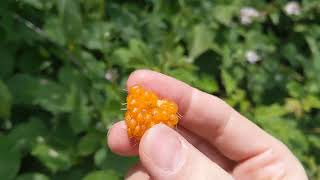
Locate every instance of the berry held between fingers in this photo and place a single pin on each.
(145, 109)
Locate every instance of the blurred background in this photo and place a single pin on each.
(64, 65)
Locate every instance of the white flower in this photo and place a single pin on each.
(292, 8)
(252, 56)
(53, 153)
(247, 14)
(111, 75)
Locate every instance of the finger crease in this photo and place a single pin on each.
(222, 126)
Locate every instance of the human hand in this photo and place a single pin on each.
(213, 141)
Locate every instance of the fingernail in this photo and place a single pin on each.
(163, 147)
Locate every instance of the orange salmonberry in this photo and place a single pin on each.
(145, 109)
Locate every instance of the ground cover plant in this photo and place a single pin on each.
(64, 64)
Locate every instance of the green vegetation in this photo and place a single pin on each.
(64, 63)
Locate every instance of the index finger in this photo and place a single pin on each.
(208, 116)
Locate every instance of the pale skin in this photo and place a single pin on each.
(212, 140)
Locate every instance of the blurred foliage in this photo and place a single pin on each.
(64, 63)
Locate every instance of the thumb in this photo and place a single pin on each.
(167, 155)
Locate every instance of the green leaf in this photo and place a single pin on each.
(314, 48)
(6, 63)
(207, 83)
(137, 55)
(70, 17)
(80, 115)
(9, 160)
(75, 173)
(94, 69)
(35, 3)
(28, 90)
(31, 62)
(270, 112)
(224, 13)
(54, 30)
(5, 101)
(275, 17)
(95, 9)
(100, 156)
(201, 40)
(89, 143)
(280, 128)
(56, 57)
(53, 159)
(51, 96)
(25, 135)
(102, 175)
(24, 88)
(105, 159)
(32, 176)
(96, 35)
(68, 75)
(63, 136)
(228, 82)
(315, 140)
(311, 102)
(184, 75)
(295, 89)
